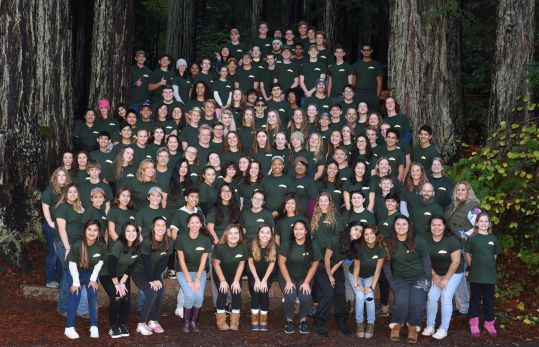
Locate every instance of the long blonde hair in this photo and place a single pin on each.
(56, 188)
(77, 205)
(142, 166)
(409, 181)
(318, 152)
(330, 216)
(224, 238)
(256, 247)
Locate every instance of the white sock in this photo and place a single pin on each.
(220, 311)
(235, 311)
(254, 312)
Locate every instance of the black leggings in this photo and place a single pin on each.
(119, 307)
(330, 296)
(259, 301)
(153, 299)
(221, 297)
(384, 289)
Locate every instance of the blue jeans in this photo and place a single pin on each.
(53, 267)
(363, 300)
(64, 287)
(410, 300)
(462, 295)
(446, 296)
(191, 298)
(74, 299)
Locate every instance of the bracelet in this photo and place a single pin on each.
(121, 282)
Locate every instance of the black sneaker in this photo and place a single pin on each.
(124, 331)
(114, 332)
(320, 330)
(303, 327)
(289, 328)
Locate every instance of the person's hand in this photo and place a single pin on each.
(138, 82)
(275, 214)
(195, 285)
(360, 288)
(215, 241)
(442, 282)
(263, 286)
(74, 289)
(94, 285)
(163, 81)
(236, 288)
(217, 56)
(256, 286)
(305, 288)
(289, 287)
(223, 287)
(332, 280)
(308, 93)
(66, 253)
(51, 225)
(367, 290)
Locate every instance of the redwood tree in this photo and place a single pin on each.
(181, 29)
(514, 49)
(255, 15)
(424, 68)
(111, 51)
(35, 111)
(330, 25)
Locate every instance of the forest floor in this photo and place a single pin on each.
(34, 322)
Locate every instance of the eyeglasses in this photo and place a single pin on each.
(260, 105)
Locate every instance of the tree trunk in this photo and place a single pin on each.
(181, 29)
(111, 51)
(305, 10)
(330, 25)
(35, 111)
(83, 14)
(424, 68)
(513, 52)
(257, 8)
(285, 14)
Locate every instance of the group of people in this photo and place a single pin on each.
(214, 172)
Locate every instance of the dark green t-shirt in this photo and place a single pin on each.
(326, 230)
(339, 78)
(283, 227)
(155, 255)
(296, 258)
(275, 189)
(230, 257)
(96, 253)
(366, 73)
(286, 73)
(119, 217)
(145, 217)
(247, 78)
(220, 227)
(483, 249)
(368, 259)
(311, 71)
(251, 221)
(261, 265)
(86, 188)
(192, 250)
(424, 156)
(440, 253)
(125, 259)
(51, 199)
(92, 213)
(139, 94)
(409, 265)
(73, 222)
(105, 159)
(365, 217)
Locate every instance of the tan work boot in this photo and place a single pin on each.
(395, 332)
(412, 334)
(263, 322)
(234, 321)
(221, 321)
(369, 331)
(255, 324)
(360, 330)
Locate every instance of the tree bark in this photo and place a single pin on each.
(35, 111)
(513, 52)
(181, 29)
(330, 25)
(257, 8)
(111, 51)
(305, 10)
(83, 15)
(285, 15)
(424, 68)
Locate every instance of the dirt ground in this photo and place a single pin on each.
(33, 322)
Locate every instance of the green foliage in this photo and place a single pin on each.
(451, 8)
(504, 175)
(508, 293)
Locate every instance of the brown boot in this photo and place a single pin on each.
(221, 321)
(395, 332)
(412, 334)
(369, 332)
(360, 330)
(263, 322)
(255, 324)
(234, 321)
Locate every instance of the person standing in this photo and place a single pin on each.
(369, 77)
(193, 248)
(481, 252)
(138, 87)
(85, 261)
(228, 260)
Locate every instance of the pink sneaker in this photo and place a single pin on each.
(490, 328)
(474, 327)
(156, 327)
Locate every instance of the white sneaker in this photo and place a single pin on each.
(440, 334)
(71, 333)
(428, 331)
(179, 312)
(144, 329)
(94, 332)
